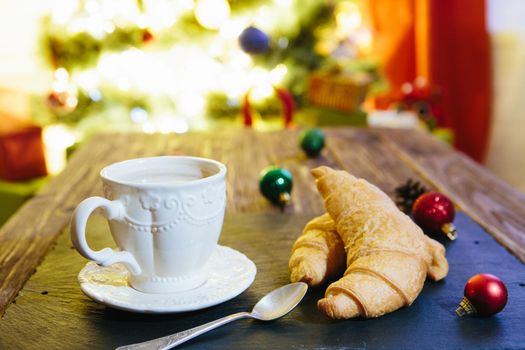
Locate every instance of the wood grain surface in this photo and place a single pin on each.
(384, 157)
(491, 202)
(52, 313)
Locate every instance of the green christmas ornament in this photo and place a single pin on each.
(276, 185)
(312, 141)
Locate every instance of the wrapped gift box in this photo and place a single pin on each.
(341, 91)
(21, 150)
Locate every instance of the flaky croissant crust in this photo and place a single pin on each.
(387, 256)
(318, 254)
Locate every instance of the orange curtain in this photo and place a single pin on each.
(446, 42)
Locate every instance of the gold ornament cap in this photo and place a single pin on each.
(284, 198)
(465, 308)
(450, 231)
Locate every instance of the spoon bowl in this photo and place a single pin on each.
(279, 302)
(273, 305)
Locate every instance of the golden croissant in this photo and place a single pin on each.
(318, 254)
(387, 256)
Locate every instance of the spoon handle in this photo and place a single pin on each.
(173, 340)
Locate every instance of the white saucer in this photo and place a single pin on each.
(230, 273)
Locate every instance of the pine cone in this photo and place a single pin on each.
(407, 194)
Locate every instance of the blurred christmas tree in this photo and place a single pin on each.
(171, 65)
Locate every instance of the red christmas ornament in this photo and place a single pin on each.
(62, 102)
(422, 98)
(147, 36)
(287, 103)
(485, 295)
(434, 213)
(420, 90)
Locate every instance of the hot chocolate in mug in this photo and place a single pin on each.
(165, 215)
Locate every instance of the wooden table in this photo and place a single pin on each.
(384, 157)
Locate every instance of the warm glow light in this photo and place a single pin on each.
(148, 128)
(119, 12)
(348, 16)
(283, 2)
(62, 87)
(167, 86)
(124, 84)
(261, 84)
(59, 86)
(142, 22)
(91, 6)
(182, 6)
(191, 104)
(364, 41)
(132, 69)
(259, 76)
(71, 102)
(261, 92)
(240, 59)
(235, 84)
(170, 124)
(232, 29)
(216, 48)
(174, 82)
(109, 27)
(212, 14)
(87, 80)
(63, 10)
(57, 138)
(61, 74)
(265, 18)
(94, 25)
(163, 14)
(278, 73)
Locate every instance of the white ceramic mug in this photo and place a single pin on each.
(165, 215)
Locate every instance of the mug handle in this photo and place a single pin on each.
(106, 256)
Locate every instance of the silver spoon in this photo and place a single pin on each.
(273, 305)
